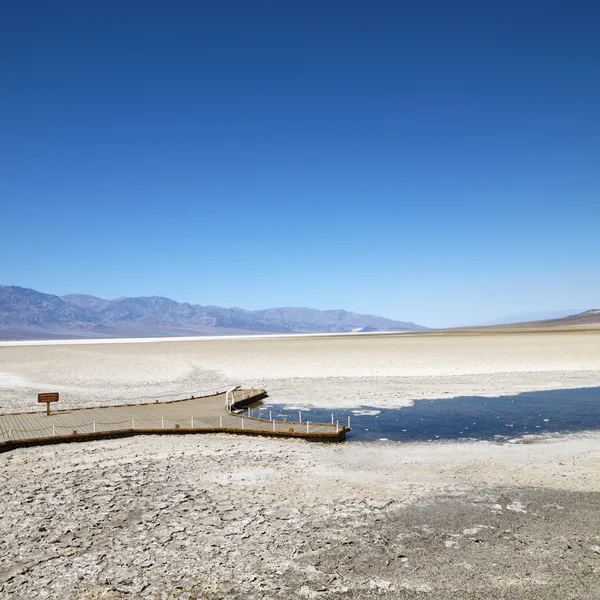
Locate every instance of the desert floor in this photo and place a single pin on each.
(230, 517)
(382, 370)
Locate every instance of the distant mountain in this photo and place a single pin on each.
(587, 318)
(85, 301)
(28, 314)
(541, 315)
(28, 308)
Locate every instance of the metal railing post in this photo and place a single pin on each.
(220, 421)
(348, 422)
(132, 423)
(192, 422)
(242, 422)
(273, 425)
(299, 416)
(94, 426)
(337, 426)
(307, 426)
(270, 415)
(53, 430)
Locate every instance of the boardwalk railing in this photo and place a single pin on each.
(164, 423)
(185, 416)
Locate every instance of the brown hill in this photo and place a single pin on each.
(587, 318)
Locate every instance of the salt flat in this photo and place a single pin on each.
(226, 517)
(324, 371)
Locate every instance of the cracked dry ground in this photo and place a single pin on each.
(224, 517)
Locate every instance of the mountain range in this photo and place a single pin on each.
(29, 314)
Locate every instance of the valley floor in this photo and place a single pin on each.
(342, 371)
(228, 517)
(222, 517)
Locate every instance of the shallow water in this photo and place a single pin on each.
(465, 417)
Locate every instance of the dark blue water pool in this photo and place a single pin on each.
(466, 417)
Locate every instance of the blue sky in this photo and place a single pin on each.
(436, 162)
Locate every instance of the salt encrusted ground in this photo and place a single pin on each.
(328, 372)
(227, 517)
(223, 517)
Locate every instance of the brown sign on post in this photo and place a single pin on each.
(47, 398)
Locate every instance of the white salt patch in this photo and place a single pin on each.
(15, 381)
(366, 413)
(595, 549)
(451, 544)
(474, 530)
(516, 507)
(203, 338)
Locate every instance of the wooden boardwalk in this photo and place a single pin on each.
(209, 414)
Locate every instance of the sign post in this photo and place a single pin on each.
(48, 398)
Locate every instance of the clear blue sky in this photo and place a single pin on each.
(428, 161)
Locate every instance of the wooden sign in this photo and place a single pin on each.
(51, 397)
(47, 398)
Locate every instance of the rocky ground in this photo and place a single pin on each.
(229, 517)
